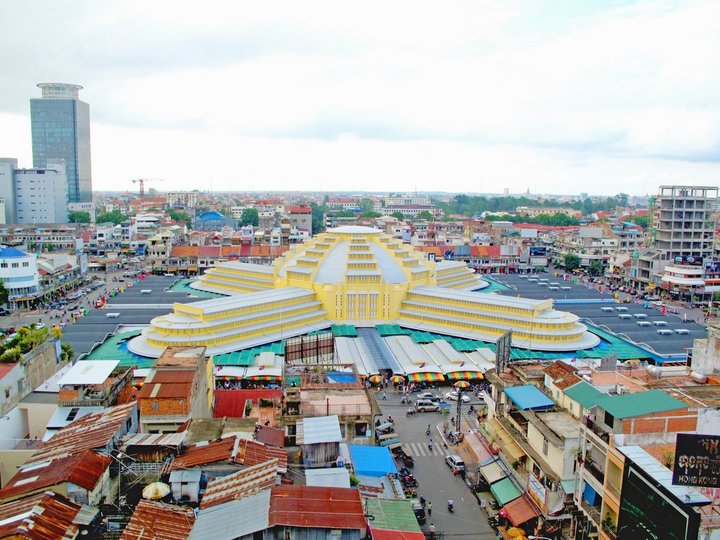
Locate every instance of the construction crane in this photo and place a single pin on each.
(142, 184)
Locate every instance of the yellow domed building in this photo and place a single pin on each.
(355, 276)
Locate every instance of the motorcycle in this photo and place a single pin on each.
(451, 506)
(410, 412)
(409, 481)
(427, 431)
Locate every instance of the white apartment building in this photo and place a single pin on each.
(41, 194)
(19, 275)
(182, 199)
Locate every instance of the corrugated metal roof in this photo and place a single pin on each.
(45, 516)
(335, 477)
(639, 404)
(319, 507)
(89, 372)
(204, 453)
(91, 431)
(392, 514)
(272, 436)
(241, 484)
(154, 439)
(83, 469)
(171, 376)
(320, 429)
(233, 519)
(155, 520)
(165, 390)
(384, 534)
(252, 453)
(585, 394)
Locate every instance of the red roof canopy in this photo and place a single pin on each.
(316, 506)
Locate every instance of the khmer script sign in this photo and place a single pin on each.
(697, 460)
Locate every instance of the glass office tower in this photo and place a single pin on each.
(61, 130)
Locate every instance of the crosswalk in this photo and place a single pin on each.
(417, 449)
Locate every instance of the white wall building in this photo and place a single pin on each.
(19, 274)
(41, 194)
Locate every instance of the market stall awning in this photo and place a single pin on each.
(463, 375)
(504, 491)
(493, 472)
(521, 510)
(426, 377)
(506, 440)
(265, 377)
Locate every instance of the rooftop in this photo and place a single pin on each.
(639, 404)
(159, 521)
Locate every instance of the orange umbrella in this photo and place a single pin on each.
(375, 378)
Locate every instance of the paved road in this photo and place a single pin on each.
(437, 483)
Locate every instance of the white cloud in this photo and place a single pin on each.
(548, 95)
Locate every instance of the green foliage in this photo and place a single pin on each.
(370, 214)
(596, 268)
(398, 215)
(10, 356)
(367, 205)
(342, 213)
(79, 217)
(558, 219)
(179, 216)
(318, 216)
(354, 480)
(250, 216)
(642, 221)
(116, 217)
(4, 294)
(571, 262)
(26, 340)
(424, 215)
(67, 353)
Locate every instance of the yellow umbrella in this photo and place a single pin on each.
(515, 532)
(155, 491)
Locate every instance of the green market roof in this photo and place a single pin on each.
(639, 404)
(504, 491)
(585, 394)
(392, 514)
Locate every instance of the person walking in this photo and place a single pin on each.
(429, 508)
(384, 395)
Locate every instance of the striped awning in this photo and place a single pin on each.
(426, 377)
(463, 375)
(264, 377)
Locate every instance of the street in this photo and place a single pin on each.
(436, 481)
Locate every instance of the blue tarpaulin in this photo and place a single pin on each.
(529, 397)
(372, 460)
(589, 494)
(341, 377)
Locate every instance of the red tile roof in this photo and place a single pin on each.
(316, 506)
(185, 251)
(159, 521)
(210, 251)
(83, 469)
(298, 209)
(240, 484)
(45, 516)
(92, 431)
(559, 369)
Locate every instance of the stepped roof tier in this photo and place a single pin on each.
(360, 276)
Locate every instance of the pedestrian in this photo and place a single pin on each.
(429, 507)
(384, 395)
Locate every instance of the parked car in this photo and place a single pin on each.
(4, 311)
(425, 405)
(453, 396)
(430, 396)
(455, 462)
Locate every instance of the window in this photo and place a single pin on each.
(155, 406)
(609, 419)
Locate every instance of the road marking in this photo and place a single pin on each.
(421, 450)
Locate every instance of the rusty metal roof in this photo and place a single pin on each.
(171, 376)
(234, 448)
(45, 516)
(272, 436)
(83, 469)
(181, 357)
(154, 439)
(205, 452)
(152, 390)
(154, 520)
(314, 506)
(91, 431)
(240, 484)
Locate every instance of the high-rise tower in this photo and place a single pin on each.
(61, 130)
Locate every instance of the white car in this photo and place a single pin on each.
(430, 396)
(453, 396)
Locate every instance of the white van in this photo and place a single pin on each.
(146, 291)
(112, 315)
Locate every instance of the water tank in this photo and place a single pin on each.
(655, 371)
(698, 377)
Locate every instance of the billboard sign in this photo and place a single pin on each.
(688, 260)
(712, 267)
(537, 492)
(538, 251)
(502, 351)
(649, 511)
(697, 460)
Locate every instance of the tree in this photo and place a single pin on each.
(4, 294)
(596, 268)
(79, 217)
(116, 217)
(571, 262)
(318, 217)
(179, 216)
(250, 216)
(641, 221)
(367, 205)
(370, 214)
(425, 214)
(398, 215)
(67, 352)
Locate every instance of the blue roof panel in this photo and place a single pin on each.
(372, 460)
(529, 397)
(10, 253)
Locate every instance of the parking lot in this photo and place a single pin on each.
(668, 334)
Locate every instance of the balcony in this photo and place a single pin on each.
(600, 431)
(592, 512)
(609, 531)
(595, 471)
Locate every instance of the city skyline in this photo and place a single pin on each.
(550, 97)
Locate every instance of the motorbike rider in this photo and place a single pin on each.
(451, 504)
(427, 430)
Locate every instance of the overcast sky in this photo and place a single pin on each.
(554, 96)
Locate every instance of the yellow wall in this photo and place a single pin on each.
(10, 462)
